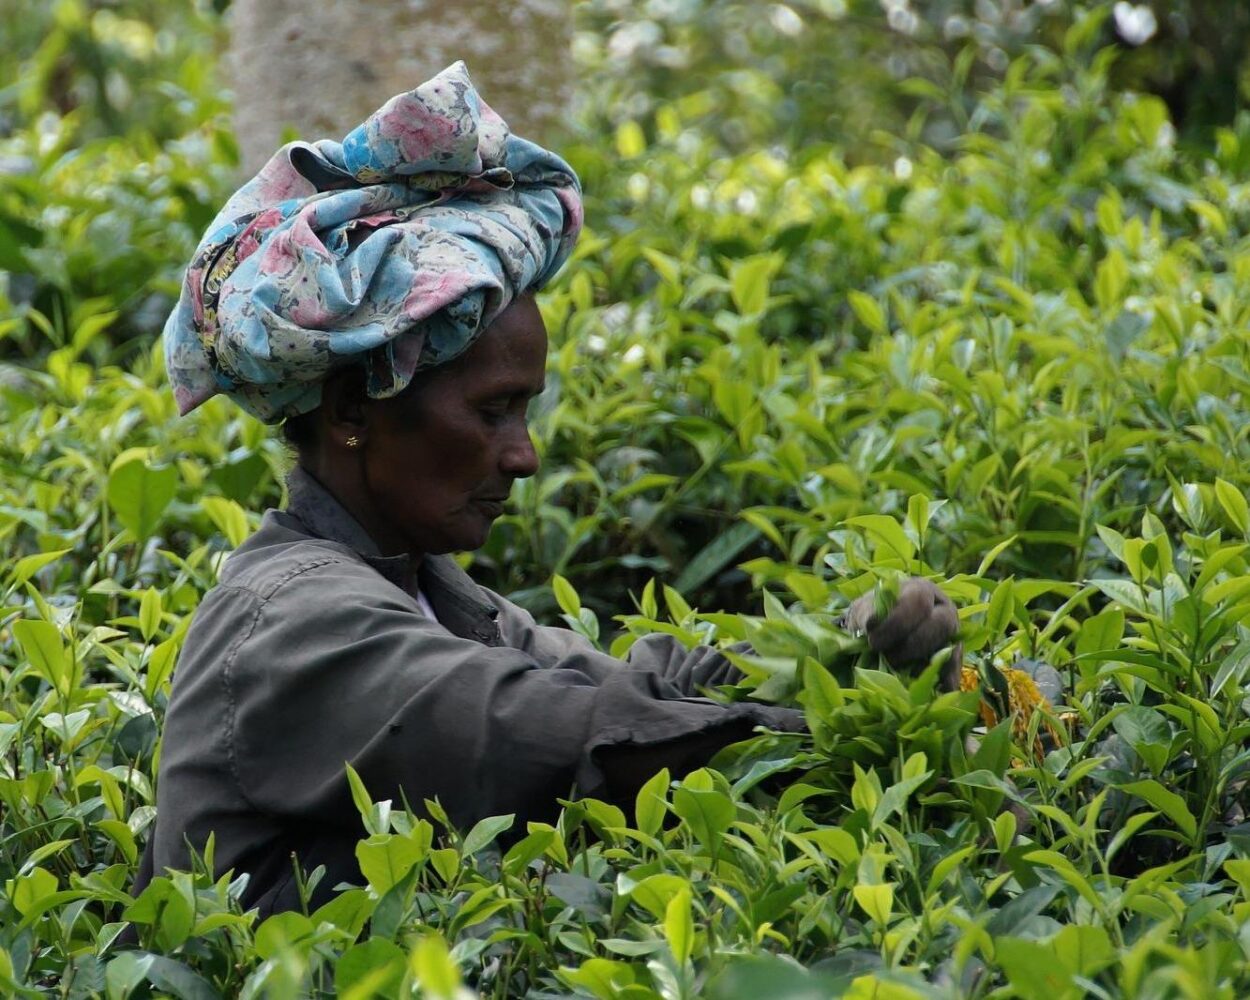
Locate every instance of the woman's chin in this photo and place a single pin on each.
(473, 530)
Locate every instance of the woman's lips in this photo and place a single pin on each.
(493, 507)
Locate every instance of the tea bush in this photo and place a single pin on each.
(781, 376)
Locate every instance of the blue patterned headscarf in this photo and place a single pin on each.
(393, 249)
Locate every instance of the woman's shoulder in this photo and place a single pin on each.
(281, 551)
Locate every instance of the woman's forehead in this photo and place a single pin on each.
(509, 358)
(515, 343)
(504, 370)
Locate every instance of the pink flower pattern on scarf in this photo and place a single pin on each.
(392, 250)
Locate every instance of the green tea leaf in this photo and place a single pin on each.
(603, 978)
(42, 644)
(179, 980)
(748, 283)
(868, 310)
(280, 931)
(889, 536)
(652, 803)
(877, 901)
(566, 596)
(715, 556)
(434, 968)
(1235, 506)
(1169, 803)
(150, 613)
(484, 832)
(385, 858)
(28, 566)
(371, 968)
(139, 493)
(707, 813)
(229, 518)
(679, 926)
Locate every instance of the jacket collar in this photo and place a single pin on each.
(323, 516)
(458, 602)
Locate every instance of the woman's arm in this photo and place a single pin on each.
(690, 671)
(335, 668)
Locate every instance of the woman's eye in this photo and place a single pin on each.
(493, 414)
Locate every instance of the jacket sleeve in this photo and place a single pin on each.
(335, 670)
(688, 670)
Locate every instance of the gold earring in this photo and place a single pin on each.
(353, 442)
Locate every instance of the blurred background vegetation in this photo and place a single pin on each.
(115, 145)
(722, 146)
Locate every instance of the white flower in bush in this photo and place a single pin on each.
(1135, 23)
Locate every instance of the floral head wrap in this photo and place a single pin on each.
(393, 249)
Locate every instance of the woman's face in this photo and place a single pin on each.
(439, 460)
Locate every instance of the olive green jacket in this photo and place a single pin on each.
(312, 652)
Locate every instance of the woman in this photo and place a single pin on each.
(377, 295)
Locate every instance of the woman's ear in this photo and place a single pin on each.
(344, 409)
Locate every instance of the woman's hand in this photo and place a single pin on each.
(922, 621)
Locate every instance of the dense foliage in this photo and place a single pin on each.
(988, 329)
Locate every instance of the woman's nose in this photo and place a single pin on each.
(519, 458)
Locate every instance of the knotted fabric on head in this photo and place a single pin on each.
(393, 249)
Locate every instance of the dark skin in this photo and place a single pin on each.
(922, 621)
(432, 467)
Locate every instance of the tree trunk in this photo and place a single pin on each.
(313, 70)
